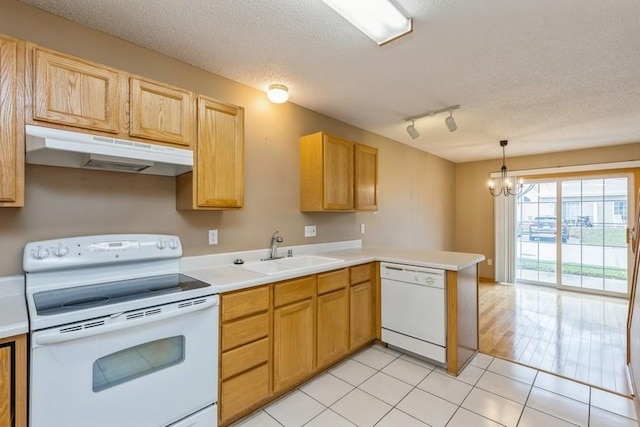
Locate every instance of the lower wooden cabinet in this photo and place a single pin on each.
(332, 318)
(333, 327)
(13, 381)
(243, 391)
(293, 344)
(274, 337)
(245, 351)
(362, 310)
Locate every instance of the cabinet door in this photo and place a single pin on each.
(362, 314)
(366, 177)
(13, 388)
(11, 126)
(5, 387)
(220, 155)
(72, 92)
(332, 327)
(161, 113)
(338, 173)
(293, 344)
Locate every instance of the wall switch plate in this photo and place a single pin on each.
(213, 237)
(310, 231)
(361, 228)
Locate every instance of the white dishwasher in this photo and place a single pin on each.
(414, 314)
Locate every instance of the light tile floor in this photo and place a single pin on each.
(386, 388)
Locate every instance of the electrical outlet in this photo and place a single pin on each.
(310, 231)
(361, 228)
(489, 261)
(213, 237)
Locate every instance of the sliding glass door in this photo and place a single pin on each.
(572, 234)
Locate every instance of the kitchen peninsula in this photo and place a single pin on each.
(323, 312)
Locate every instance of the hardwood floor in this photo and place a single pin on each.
(582, 337)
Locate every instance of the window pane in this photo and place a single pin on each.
(135, 362)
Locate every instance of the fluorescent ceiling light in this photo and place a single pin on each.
(378, 19)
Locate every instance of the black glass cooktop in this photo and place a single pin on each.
(89, 296)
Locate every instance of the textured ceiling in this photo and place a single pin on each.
(549, 75)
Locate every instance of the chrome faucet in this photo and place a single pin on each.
(275, 239)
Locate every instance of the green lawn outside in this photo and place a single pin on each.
(574, 269)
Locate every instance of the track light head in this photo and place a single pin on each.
(412, 131)
(451, 122)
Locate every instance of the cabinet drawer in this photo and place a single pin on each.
(361, 273)
(333, 280)
(243, 391)
(244, 303)
(244, 331)
(294, 290)
(243, 358)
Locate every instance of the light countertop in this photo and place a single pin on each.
(13, 307)
(219, 271)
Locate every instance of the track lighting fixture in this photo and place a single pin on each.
(449, 121)
(412, 131)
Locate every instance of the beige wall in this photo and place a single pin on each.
(474, 205)
(417, 190)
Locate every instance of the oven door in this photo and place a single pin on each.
(148, 367)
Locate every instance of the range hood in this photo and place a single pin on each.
(55, 147)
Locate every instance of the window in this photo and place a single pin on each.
(620, 209)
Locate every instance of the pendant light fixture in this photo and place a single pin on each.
(278, 94)
(506, 184)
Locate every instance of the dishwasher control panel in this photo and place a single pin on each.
(412, 274)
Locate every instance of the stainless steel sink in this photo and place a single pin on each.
(289, 264)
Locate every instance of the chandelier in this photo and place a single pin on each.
(506, 184)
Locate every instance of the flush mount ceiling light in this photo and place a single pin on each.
(379, 19)
(506, 185)
(278, 94)
(449, 121)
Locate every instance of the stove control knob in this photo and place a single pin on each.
(61, 251)
(173, 244)
(40, 253)
(161, 244)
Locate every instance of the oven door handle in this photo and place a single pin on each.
(88, 329)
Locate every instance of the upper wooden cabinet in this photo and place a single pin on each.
(332, 170)
(217, 180)
(11, 123)
(73, 92)
(160, 112)
(366, 178)
(70, 92)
